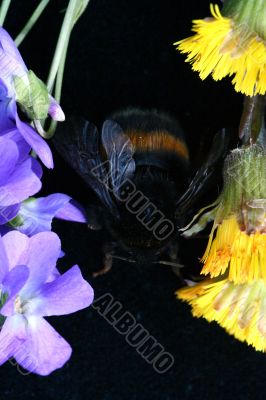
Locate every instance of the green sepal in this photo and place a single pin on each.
(244, 193)
(3, 299)
(32, 96)
(22, 92)
(2, 320)
(251, 14)
(16, 222)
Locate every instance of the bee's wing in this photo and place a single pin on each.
(78, 142)
(205, 176)
(119, 152)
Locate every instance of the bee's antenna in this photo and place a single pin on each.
(124, 259)
(169, 263)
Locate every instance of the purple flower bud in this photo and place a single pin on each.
(55, 111)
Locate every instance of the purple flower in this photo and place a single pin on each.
(17, 83)
(36, 215)
(11, 62)
(19, 177)
(36, 290)
(23, 147)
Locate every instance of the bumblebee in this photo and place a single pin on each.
(139, 168)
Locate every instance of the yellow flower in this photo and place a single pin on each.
(234, 293)
(225, 46)
(240, 309)
(237, 243)
(242, 254)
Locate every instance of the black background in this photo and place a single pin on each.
(121, 54)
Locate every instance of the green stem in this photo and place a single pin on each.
(3, 11)
(252, 125)
(62, 42)
(74, 10)
(33, 19)
(60, 76)
(58, 90)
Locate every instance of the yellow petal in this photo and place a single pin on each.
(221, 47)
(240, 309)
(243, 255)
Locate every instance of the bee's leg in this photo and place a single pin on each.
(93, 218)
(108, 261)
(108, 251)
(173, 254)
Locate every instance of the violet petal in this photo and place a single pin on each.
(12, 336)
(21, 184)
(4, 267)
(44, 350)
(6, 115)
(55, 111)
(66, 294)
(40, 257)
(38, 213)
(36, 167)
(12, 284)
(23, 147)
(15, 244)
(8, 158)
(72, 211)
(8, 45)
(36, 142)
(8, 213)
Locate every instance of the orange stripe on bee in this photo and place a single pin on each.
(158, 140)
